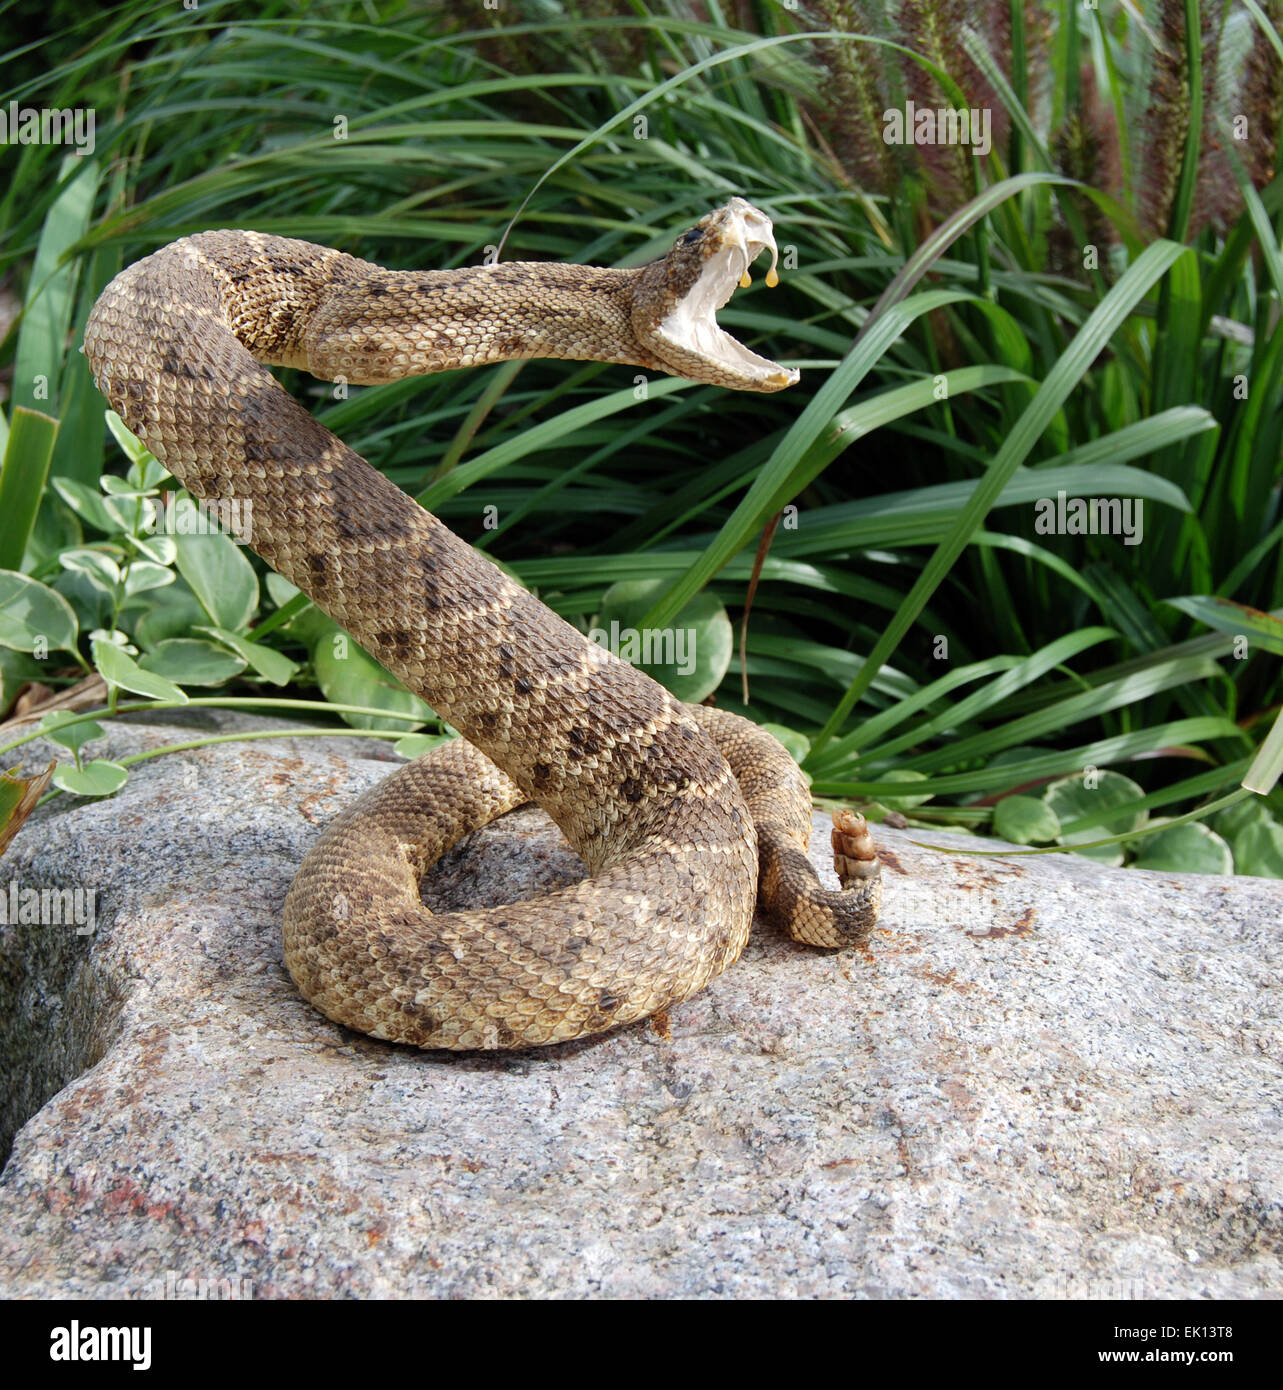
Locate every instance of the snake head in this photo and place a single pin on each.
(676, 301)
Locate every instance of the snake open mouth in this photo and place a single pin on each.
(736, 235)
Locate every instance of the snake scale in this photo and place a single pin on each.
(684, 815)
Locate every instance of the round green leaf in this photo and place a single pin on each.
(1074, 797)
(903, 803)
(171, 612)
(192, 661)
(131, 511)
(89, 597)
(280, 590)
(88, 504)
(219, 574)
(118, 668)
(160, 550)
(1025, 820)
(118, 487)
(1258, 848)
(416, 745)
(135, 450)
(75, 735)
(267, 661)
(114, 637)
(144, 576)
(348, 675)
(1187, 849)
(147, 472)
(310, 626)
(98, 778)
(31, 612)
(1232, 820)
(689, 658)
(797, 745)
(93, 563)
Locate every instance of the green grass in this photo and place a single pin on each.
(962, 358)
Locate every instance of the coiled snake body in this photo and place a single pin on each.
(683, 815)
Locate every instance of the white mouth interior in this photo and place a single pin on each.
(693, 326)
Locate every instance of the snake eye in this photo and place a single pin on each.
(692, 236)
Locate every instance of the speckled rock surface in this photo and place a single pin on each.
(1041, 1078)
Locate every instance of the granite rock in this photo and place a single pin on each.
(1040, 1078)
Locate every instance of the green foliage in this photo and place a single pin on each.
(1085, 309)
(97, 778)
(1025, 820)
(690, 656)
(23, 475)
(1072, 798)
(1190, 848)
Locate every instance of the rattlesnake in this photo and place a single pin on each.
(683, 815)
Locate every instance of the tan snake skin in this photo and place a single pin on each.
(683, 815)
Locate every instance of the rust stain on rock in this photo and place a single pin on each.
(1022, 926)
(888, 858)
(948, 979)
